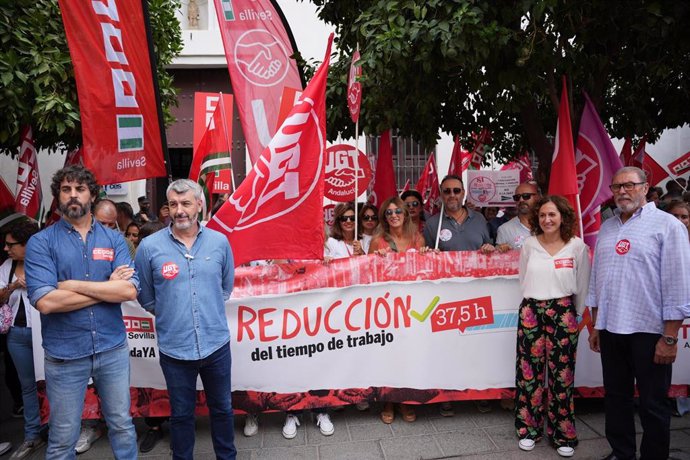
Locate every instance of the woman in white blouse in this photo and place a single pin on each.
(554, 277)
(342, 241)
(19, 342)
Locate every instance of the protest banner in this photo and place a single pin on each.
(412, 327)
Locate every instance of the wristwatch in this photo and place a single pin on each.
(670, 340)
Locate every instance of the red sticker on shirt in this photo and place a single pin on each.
(622, 247)
(103, 254)
(170, 270)
(568, 262)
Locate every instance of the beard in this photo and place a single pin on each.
(67, 210)
(182, 225)
(630, 206)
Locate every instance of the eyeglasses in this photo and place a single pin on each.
(10, 244)
(524, 196)
(346, 218)
(628, 186)
(412, 204)
(390, 212)
(135, 235)
(370, 217)
(454, 191)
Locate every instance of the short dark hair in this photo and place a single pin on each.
(74, 173)
(568, 219)
(125, 208)
(22, 230)
(143, 198)
(149, 228)
(452, 176)
(413, 193)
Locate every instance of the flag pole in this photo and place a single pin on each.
(356, 174)
(227, 140)
(440, 224)
(579, 212)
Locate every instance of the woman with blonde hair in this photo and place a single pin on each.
(397, 232)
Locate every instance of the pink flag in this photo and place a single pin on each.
(459, 159)
(28, 196)
(428, 186)
(354, 87)
(563, 179)
(277, 211)
(384, 186)
(258, 49)
(522, 164)
(596, 161)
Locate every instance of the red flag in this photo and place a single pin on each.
(479, 150)
(459, 159)
(354, 87)
(680, 165)
(205, 105)
(258, 49)
(523, 164)
(28, 196)
(117, 100)
(596, 162)
(7, 213)
(73, 157)
(428, 186)
(213, 155)
(626, 152)
(655, 172)
(383, 185)
(638, 157)
(277, 211)
(563, 180)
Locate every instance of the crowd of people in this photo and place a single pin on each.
(100, 253)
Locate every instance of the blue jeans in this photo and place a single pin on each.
(66, 381)
(180, 378)
(21, 349)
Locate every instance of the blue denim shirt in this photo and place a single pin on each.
(186, 291)
(59, 253)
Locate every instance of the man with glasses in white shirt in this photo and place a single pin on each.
(638, 306)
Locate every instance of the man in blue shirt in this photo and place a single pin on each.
(77, 274)
(186, 273)
(638, 300)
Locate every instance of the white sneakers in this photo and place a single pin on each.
(89, 434)
(290, 427)
(526, 444)
(323, 421)
(563, 451)
(251, 425)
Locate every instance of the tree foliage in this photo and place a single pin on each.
(37, 84)
(460, 65)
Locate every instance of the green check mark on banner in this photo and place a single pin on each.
(421, 318)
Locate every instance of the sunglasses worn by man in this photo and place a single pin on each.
(524, 196)
(455, 191)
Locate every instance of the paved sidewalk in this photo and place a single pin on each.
(361, 435)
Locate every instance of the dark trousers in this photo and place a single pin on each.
(180, 378)
(626, 359)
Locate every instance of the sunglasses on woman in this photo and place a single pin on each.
(346, 218)
(412, 204)
(370, 218)
(390, 212)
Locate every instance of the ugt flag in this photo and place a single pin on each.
(596, 162)
(276, 212)
(28, 196)
(383, 186)
(428, 186)
(563, 179)
(117, 99)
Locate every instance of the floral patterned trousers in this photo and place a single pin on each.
(546, 334)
